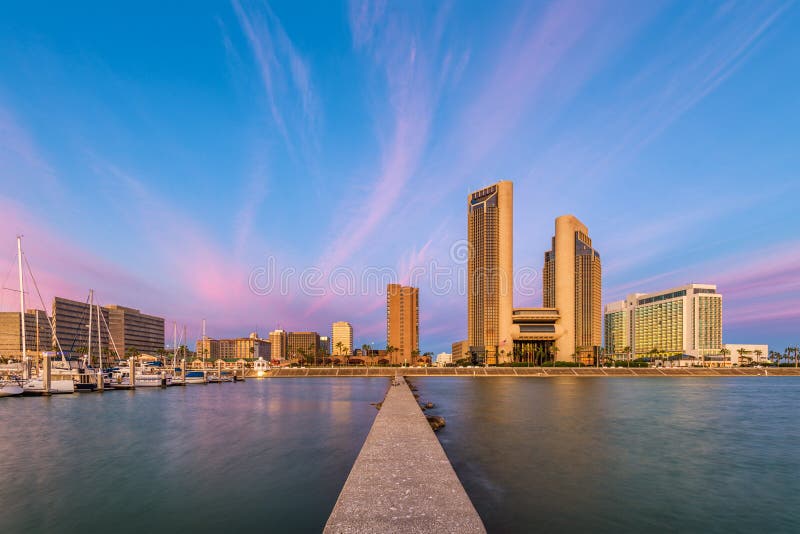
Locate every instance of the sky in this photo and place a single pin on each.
(272, 165)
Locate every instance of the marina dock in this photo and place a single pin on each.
(402, 480)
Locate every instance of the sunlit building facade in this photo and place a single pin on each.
(685, 320)
(402, 322)
(490, 272)
(342, 338)
(572, 284)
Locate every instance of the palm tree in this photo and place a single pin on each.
(627, 351)
(653, 353)
(742, 351)
(339, 348)
(365, 352)
(414, 356)
(758, 354)
(390, 349)
(724, 351)
(554, 352)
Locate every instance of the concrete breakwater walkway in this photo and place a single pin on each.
(402, 480)
(541, 372)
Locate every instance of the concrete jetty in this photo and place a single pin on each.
(402, 480)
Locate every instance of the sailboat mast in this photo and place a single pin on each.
(204, 343)
(174, 344)
(22, 305)
(91, 309)
(99, 345)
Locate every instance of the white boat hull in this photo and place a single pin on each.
(10, 390)
(35, 386)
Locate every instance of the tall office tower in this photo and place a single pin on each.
(277, 340)
(402, 322)
(682, 320)
(342, 332)
(571, 282)
(490, 272)
(132, 329)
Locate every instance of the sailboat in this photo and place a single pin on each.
(199, 377)
(34, 386)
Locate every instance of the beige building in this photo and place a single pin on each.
(342, 332)
(38, 335)
(132, 329)
(460, 350)
(677, 321)
(278, 340)
(208, 348)
(402, 322)
(572, 284)
(534, 331)
(490, 271)
(739, 354)
(243, 348)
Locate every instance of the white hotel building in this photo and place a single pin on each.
(682, 320)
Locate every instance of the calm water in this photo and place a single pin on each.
(259, 456)
(625, 455)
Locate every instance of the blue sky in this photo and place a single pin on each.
(165, 155)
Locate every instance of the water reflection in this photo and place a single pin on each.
(268, 455)
(624, 455)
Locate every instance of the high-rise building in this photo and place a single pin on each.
(278, 340)
(325, 345)
(677, 321)
(490, 271)
(304, 345)
(132, 329)
(71, 326)
(402, 322)
(342, 332)
(572, 284)
(38, 335)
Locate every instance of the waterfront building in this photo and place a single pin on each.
(244, 348)
(278, 341)
(743, 354)
(71, 326)
(402, 323)
(572, 284)
(132, 329)
(490, 271)
(304, 344)
(685, 320)
(459, 350)
(443, 359)
(325, 345)
(534, 332)
(207, 348)
(38, 334)
(342, 332)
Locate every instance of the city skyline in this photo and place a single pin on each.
(162, 167)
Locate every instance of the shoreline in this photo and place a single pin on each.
(529, 372)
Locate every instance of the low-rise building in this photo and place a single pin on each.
(741, 354)
(38, 334)
(460, 350)
(132, 329)
(443, 359)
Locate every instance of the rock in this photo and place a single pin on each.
(376, 404)
(429, 405)
(436, 422)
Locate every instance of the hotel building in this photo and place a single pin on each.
(38, 335)
(244, 348)
(342, 332)
(572, 284)
(490, 271)
(208, 348)
(460, 350)
(682, 320)
(402, 322)
(132, 329)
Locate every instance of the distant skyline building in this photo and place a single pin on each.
(251, 347)
(402, 322)
(278, 342)
(342, 332)
(572, 284)
(459, 350)
(681, 320)
(131, 328)
(490, 271)
(38, 334)
(304, 344)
